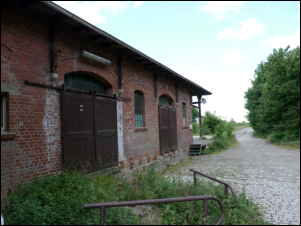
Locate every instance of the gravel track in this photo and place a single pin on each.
(269, 174)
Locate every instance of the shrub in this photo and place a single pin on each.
(219, 130)
(206, 130)
(195, 129)
(276, 137)
(60, 199)
(210, 121)
(220, 144)
(51, 200)
(228, 129)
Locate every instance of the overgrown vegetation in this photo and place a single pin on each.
(221, 130)
(224, 138)
(59, 200)
(273, 100)
(195, 114)
(210, 121)
(277, 139)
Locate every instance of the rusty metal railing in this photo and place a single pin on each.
(217, 180)
(102, 206)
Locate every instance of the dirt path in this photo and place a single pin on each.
(270, 175)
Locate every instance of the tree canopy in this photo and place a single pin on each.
(195, 114)
(273, 100)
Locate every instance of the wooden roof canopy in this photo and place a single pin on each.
(54, 16)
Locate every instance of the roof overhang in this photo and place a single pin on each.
(56, 17)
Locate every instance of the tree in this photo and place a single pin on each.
(273, 100)
(211, 121)
(195, 114)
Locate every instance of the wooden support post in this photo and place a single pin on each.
(155, 86)
(53, 50)
(200, 115)
(119, 71)
(177, 93)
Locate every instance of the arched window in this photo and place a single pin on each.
(82, 81)
(184, 113)
(164, 100)
(139, 119)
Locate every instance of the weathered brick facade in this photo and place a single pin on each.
(31, 146)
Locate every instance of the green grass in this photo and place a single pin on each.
(277, 139)
(59, 200)
(236, 128)
(219, 145)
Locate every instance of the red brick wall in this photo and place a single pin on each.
(36, 149)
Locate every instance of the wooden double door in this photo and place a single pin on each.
(89, 130)
(168, 128)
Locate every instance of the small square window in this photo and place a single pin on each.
(3, 112)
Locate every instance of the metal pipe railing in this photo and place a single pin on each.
(102, 206)
(217, 180)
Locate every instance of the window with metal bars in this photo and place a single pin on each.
(82, 81)
(139, 120)
(184, 113)
(164, 100)
(3, 112)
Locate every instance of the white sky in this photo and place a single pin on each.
(217, 45)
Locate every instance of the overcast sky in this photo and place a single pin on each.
(214, 44)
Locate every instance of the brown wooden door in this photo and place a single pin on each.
(164, 128)
(78, 134)
(167, 128)
(173, 127)
(105, 132)
(89, 128)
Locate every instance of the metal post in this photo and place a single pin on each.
(226, 191)
(194, 178)
(200, 116)
(102, 215)
(205, 210)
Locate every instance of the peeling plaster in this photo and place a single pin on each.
(121, 156)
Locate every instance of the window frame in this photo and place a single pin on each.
(84, 79)
(141, 108)
(4, 111)
(163, 99)
(184, 114)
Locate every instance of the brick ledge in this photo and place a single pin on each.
(140, 129)
(8, 136)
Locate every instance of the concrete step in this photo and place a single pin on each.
(195, 145)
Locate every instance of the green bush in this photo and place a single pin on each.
(206, 130)
(211, 121)
(220, 144)
(219, 130)
(276, 137)
(59, 200)
(51, 200)
(228, 129)
(195, 129)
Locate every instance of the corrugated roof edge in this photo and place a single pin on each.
(92, 27)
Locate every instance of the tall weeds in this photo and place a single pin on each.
(60, 199)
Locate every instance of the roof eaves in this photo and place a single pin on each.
(105, 34)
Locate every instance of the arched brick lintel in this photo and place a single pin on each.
(95, 69)
(184, 100)
(168, 93)
(139, 87)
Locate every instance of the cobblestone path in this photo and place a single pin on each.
(269, 174)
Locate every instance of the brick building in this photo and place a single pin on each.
(72, 95)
